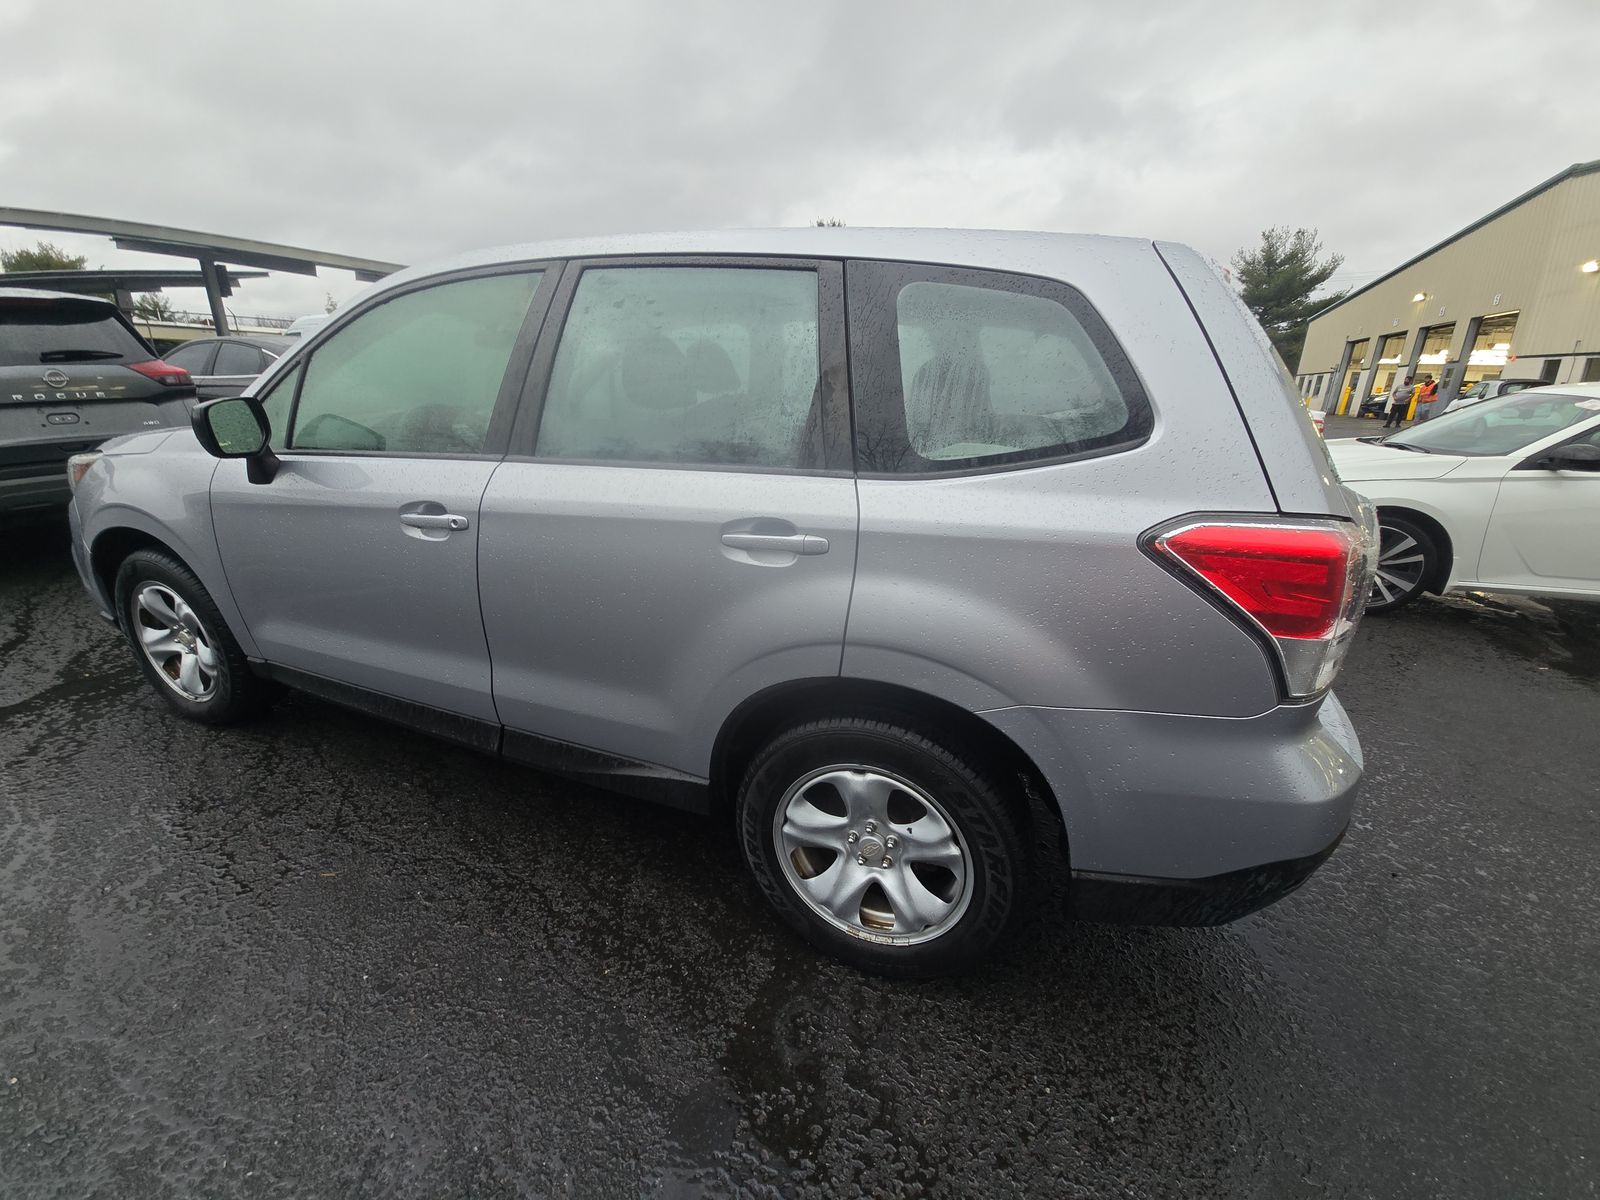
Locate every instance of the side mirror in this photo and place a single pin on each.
(237, 427)
(1579, 456)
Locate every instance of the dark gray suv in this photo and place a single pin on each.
(73, 372)
(871, 542)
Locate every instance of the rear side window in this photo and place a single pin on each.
(970, 370)
(687, 365)
(235, 358)
(60, 331)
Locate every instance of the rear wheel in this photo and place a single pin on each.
(181, 642)
(1408, 557)
(880, 846)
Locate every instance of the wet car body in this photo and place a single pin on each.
(911, 593)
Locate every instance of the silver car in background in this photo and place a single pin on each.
(872, 542)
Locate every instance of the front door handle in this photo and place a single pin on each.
(421, 520)
(787, 543)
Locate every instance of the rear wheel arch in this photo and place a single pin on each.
(768, 713)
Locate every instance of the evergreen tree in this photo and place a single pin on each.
(1278, 282)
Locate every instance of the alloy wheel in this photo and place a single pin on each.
(1401, 563)
(175, 641)
(873, 854)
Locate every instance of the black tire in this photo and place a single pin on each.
(1413, 559)
(994, 864)
(231, 692)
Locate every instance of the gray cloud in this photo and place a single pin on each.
(411, 130)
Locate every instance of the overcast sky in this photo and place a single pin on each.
(405, 130)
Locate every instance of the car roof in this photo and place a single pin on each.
(269, 340)
(10, 293)
(1028, 252)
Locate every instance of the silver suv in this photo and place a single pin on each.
(870, 542)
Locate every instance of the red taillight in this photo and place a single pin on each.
(163, 373)
(1303, 584)
(1290, 579)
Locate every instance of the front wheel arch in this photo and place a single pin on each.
(1440, 578)
(112, 548)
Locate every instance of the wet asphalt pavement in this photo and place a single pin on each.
(320, 956)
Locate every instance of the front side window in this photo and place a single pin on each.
(686, 365)
(1495, 427)
(193, 358)
(418, 374)
(278, 403)
(986, 371)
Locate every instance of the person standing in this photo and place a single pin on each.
(1395, 406)
(1430, 393)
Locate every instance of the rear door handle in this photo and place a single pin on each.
(787, 543)
(419, 520)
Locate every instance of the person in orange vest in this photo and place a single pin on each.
(1430, 393)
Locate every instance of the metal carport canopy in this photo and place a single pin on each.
(208, 249)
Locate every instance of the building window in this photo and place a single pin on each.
(1591, 371)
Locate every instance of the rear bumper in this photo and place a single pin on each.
(1234, 807)
(35, 490)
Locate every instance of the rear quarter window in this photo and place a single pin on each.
(970, 370)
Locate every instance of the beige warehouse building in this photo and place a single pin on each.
(1515, 295)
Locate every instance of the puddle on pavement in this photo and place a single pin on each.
(1553, 634)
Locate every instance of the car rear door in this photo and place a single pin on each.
(675, 527)
(357, 563)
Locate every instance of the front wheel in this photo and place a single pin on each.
(1408, 558)
(181, 642)
(881, 847)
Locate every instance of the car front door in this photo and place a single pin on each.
(1544, 532)
(675, 528)
(357, 563)
(195, 358)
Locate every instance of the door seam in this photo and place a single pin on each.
(477, 588)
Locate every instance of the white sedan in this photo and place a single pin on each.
(1503, 496)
